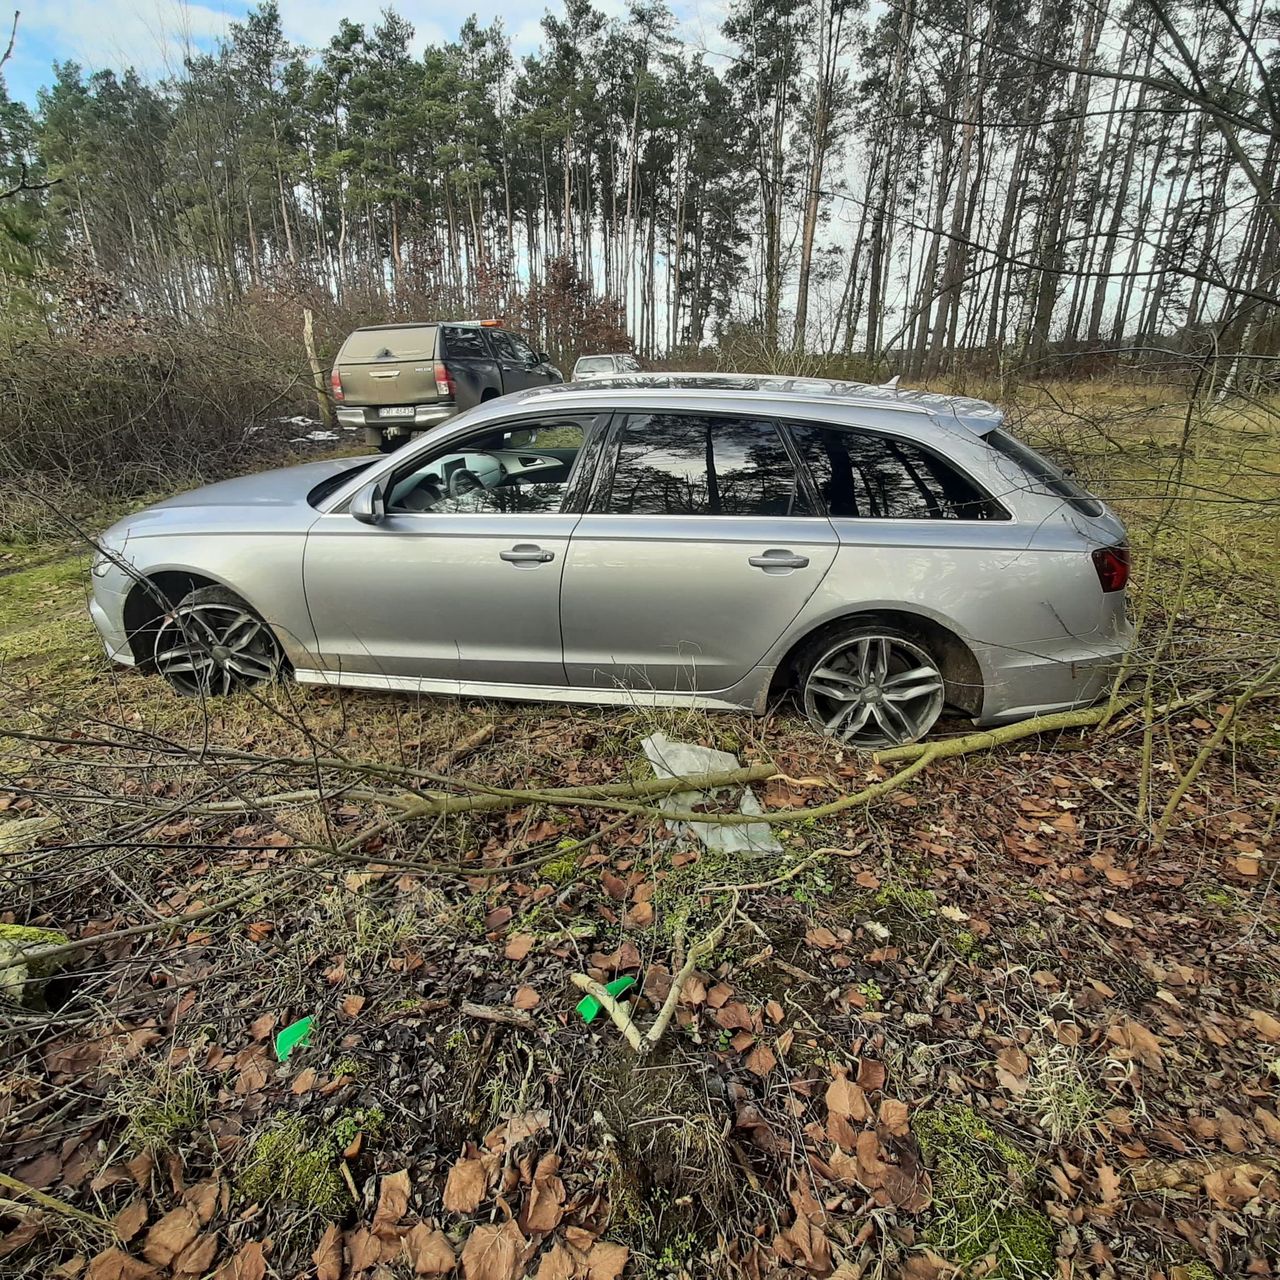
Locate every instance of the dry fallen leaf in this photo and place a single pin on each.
(114, 1264)
(1133, 1041)
(525, 1124)
(545, 1205)
(170, 1236)
(429, 1251)
(351, 1005)
(1267, 1026)
(249, 1264)
(393, 1200)
(327, 1255)
(760, 1061)
(558, 1263)
(304, 1081)
(131, 1219)
(518, 946)
(1115, 918)
(871, 1074)
(494, 1253)
(465, 1186)
(197, 1257)
(893, 1117)
(606, 1261)
(525, 998)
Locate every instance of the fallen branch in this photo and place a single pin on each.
(495, 1013)
(643, 1042)
(53, 1204)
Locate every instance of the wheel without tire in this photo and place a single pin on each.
(212, 643)
(872, 687)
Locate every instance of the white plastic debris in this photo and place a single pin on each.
(685, 759)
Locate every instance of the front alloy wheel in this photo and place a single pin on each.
(874, 689)
(213, 644)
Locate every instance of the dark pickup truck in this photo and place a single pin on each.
(394, 380)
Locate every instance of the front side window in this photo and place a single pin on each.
(513, 471)
(463, 341)
(502, 345)
(690, 465)
(524, 352)
(863, 476)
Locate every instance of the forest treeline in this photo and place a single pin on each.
(930, 179)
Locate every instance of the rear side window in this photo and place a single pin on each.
(690, 465)
(1045, 472)
(863, 476)
(365, 346)
(464, 342)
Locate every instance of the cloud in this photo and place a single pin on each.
(151, 35)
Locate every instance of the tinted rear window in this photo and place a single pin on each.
(369, 345)
(1047, 473)
(595, 364)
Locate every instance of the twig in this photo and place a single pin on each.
(494, 1013)
(53, 1204)
(643, 1042)
(448, 759)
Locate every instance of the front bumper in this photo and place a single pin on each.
(424, 417)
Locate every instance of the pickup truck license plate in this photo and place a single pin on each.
(399, 411)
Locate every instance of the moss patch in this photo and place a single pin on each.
(296, 1162)
(982, 1205)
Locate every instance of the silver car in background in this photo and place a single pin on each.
(711, 541)
(594, 368)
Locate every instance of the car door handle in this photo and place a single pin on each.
(778, 558)
(527, 553)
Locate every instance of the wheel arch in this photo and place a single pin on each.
(154, 592)
(961, 672)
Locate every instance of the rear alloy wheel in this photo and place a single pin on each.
(873, 688)
(213, 644)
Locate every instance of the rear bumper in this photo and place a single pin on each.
(424, 416)
(1023, 683)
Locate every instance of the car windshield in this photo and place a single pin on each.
(1047, 473)
(594, 364)
(334, 483)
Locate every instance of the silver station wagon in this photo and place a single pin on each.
(712, 541)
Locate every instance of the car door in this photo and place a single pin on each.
(460, 581)
(538, 366)
(700, 546)
(517, 371)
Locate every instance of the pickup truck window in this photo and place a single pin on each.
(461, 341)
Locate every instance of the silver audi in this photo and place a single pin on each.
(672, 540)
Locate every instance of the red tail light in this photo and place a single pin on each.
(445, 385)
(1112, 564)
(335, 381)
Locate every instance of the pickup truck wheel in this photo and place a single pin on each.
(212, 643)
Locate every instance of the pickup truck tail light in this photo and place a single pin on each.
(1112, 564)
(446, 387)
(335, 381)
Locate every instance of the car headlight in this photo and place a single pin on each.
(105, 557)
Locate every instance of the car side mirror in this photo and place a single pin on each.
(369, 506)
(543, 358)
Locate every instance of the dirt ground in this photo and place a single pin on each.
(1009, 1019)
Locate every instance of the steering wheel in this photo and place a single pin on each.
(463, 482)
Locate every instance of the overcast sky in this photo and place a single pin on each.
(151, 35)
